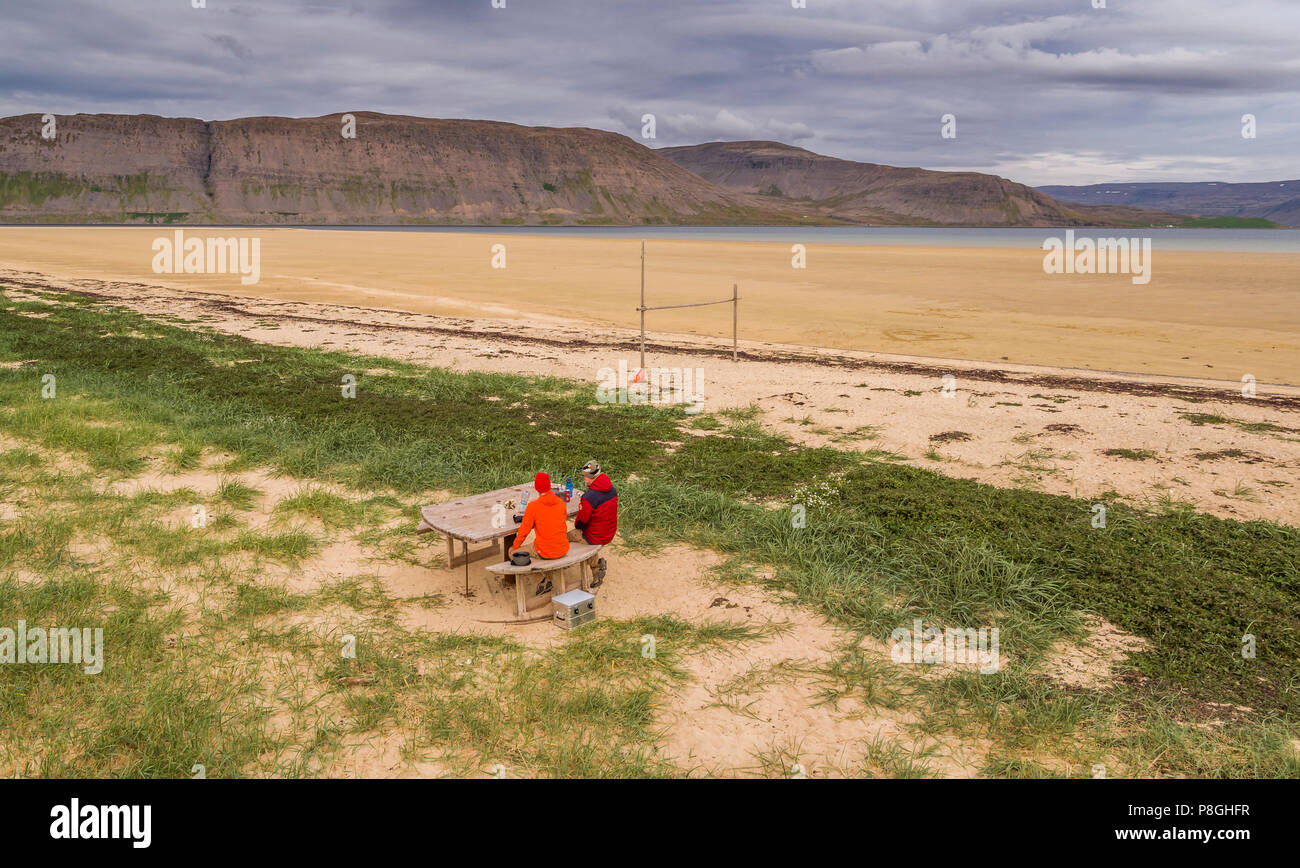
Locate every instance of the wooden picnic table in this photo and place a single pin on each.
(470, 520)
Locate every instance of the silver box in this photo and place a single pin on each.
(574, 609)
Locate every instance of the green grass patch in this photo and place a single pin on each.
(1131, 454)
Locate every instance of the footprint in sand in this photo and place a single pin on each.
(913, 335)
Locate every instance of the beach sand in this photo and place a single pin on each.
(1216, 315)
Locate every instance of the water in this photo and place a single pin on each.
(1231, 240)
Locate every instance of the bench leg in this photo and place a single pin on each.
(520, 595)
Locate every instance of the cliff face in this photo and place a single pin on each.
(451, 170)
(396, 170)
(101, 165)
(871, 193)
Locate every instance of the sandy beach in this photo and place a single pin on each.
(1216, 315)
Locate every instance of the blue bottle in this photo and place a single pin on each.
(568, 488)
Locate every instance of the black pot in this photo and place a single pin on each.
(521, 559)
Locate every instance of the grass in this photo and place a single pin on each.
(149, 713)
(1240, 491)
(410, 432)
(235, 493)
(892, 543)
(1269, 428)
(1131, 454)
(330, 509)
(1229, 223)
(586, 710)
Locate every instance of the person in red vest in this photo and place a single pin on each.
(597, 519)
(547, 516)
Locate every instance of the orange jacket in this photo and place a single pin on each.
(549, 517)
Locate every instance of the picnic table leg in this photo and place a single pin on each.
(451, 551)
(465, 546)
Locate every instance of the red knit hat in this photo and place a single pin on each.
(542, 482)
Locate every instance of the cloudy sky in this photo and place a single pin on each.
(1044, 91)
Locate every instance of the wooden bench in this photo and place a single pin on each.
(552, 571)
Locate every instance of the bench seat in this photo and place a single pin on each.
(580, 554)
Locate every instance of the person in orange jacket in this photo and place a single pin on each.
(548, 516)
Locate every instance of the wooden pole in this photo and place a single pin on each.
(735, 317)
(643, 305)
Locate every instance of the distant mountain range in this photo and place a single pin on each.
(408, 170)
(847, 191)
(1275, 201)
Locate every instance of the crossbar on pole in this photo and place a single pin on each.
(693, 304)
(734, 301)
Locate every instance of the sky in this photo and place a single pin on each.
(1043, 92)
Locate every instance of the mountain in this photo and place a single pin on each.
(302, 170)
(870, 193)
(1278, 201)
(399, 169)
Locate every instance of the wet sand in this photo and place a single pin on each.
(1215, 315)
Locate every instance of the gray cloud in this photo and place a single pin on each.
(232, 45)
(1045, 91)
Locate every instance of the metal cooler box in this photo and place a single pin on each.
(574, 609)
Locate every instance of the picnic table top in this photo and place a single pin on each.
(470, 518)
